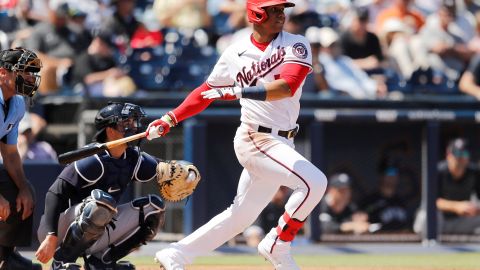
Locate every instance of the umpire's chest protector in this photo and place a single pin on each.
(113, 175)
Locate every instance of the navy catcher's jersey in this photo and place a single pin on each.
(109, 174)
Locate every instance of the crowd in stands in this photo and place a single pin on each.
(362, 48)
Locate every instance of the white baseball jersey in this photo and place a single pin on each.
(269, 160)
(243, 64)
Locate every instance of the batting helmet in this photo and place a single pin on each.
(256, 12)
(116, 113)
(27, 66)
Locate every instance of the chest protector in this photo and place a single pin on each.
(113, 175)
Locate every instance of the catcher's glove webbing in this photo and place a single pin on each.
(177, 179)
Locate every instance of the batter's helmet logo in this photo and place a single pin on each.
(300, 50)
(256, 12)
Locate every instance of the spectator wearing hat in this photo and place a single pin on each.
(384, 206)
(446, 36)
(338, 213)
(360, 44)
(57, 42)
(29, 147)
(402, 47)
(341, 73)
(458, 178)
(123, 24)
(96, 69)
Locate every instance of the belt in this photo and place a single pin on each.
(284, 133)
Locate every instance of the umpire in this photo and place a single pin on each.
(19, 78)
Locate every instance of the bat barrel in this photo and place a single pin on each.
(93, 149)
(72, 156)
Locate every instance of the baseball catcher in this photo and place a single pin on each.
(82, 216)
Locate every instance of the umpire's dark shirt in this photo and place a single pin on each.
(460, 189)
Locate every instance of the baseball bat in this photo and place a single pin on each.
(95, 148)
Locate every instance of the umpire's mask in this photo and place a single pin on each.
(26, 66)
(124, 117)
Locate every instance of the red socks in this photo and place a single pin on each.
(288, 227)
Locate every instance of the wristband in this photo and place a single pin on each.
(170, 119)
(255, 92)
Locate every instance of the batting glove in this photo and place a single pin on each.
(161, 127)
(225, 93)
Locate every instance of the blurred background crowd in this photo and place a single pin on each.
(362, 49)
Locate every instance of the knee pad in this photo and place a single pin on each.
(151, 217)
(154, 200)
(96, 213)
(151, 211)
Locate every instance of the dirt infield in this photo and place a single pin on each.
(248, 267)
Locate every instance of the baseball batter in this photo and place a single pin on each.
(266, 72)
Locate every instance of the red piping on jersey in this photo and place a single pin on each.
(193, 104)
(286, 167)
(294, 75)
(274, 243)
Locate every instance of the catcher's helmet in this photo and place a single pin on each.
(27, 65)
(256, 12)
(127, 116)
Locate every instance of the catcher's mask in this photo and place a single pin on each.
(124, 117)
(26, 65)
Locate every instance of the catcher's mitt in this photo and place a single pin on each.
(177, 179)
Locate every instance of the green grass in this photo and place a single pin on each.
(440, 261)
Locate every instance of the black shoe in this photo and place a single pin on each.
(56, 265)
(124, 265)
(16, 261)
(94, 263)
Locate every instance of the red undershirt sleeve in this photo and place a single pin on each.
(193, 104)
(294, 75)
